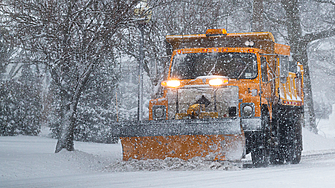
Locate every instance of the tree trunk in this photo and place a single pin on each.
(299, 53)
(257, 16)
(308, 98)
(65, 139)
(69, 110)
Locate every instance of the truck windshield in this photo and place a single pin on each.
(232, 65)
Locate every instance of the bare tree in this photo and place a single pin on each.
(300, 23)
(299, 42)
(71, 37)
(175, 17)
(257, 16)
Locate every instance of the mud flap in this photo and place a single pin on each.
(185, 139)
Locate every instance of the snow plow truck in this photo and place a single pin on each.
(225, 95)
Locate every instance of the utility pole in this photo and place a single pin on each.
(257, 16)
(140, 73)
(143, 15)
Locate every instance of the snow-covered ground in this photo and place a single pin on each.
(31, 162)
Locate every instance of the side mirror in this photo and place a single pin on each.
(284, 68)
(293, 66)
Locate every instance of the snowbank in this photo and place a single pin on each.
(332, 119)
(319, 143)
(176, 164)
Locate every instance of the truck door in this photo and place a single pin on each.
(265, 82)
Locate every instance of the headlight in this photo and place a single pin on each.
(218, 81)
(159, 112)
(171, 83)
(248, 109)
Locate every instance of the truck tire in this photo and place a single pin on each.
(294, 156)
(260, 153)
(294, 149)
(289, 135)
(276, 157)
(276, 153)
(259, 157)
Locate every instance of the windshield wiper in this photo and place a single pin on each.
(210, 72)
(245, 68)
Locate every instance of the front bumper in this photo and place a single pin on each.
(252, 124)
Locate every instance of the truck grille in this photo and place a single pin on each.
(222, 100)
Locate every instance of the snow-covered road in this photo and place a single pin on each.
(31, 162)
(317, 171)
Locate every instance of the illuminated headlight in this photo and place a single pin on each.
(171, 83)
(159, 112)
(248, 109)
(218, 82)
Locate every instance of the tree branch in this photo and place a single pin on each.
(325, 1)
(320, 35)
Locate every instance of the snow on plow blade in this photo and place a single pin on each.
(211, 139)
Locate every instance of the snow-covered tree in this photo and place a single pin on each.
(7, 97)
(177, 18)
(20, 104)
(299, 23)
(71, 38)
(5, 52)
(28, 103)
(7, 107)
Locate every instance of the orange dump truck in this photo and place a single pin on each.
(225, 95)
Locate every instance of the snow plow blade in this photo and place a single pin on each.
(185, 139)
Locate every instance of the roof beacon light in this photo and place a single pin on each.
(216, 32)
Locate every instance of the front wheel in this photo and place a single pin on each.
(276, 157)
(260, 152)
(259, 157)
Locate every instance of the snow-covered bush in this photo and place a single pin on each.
(20, 105)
